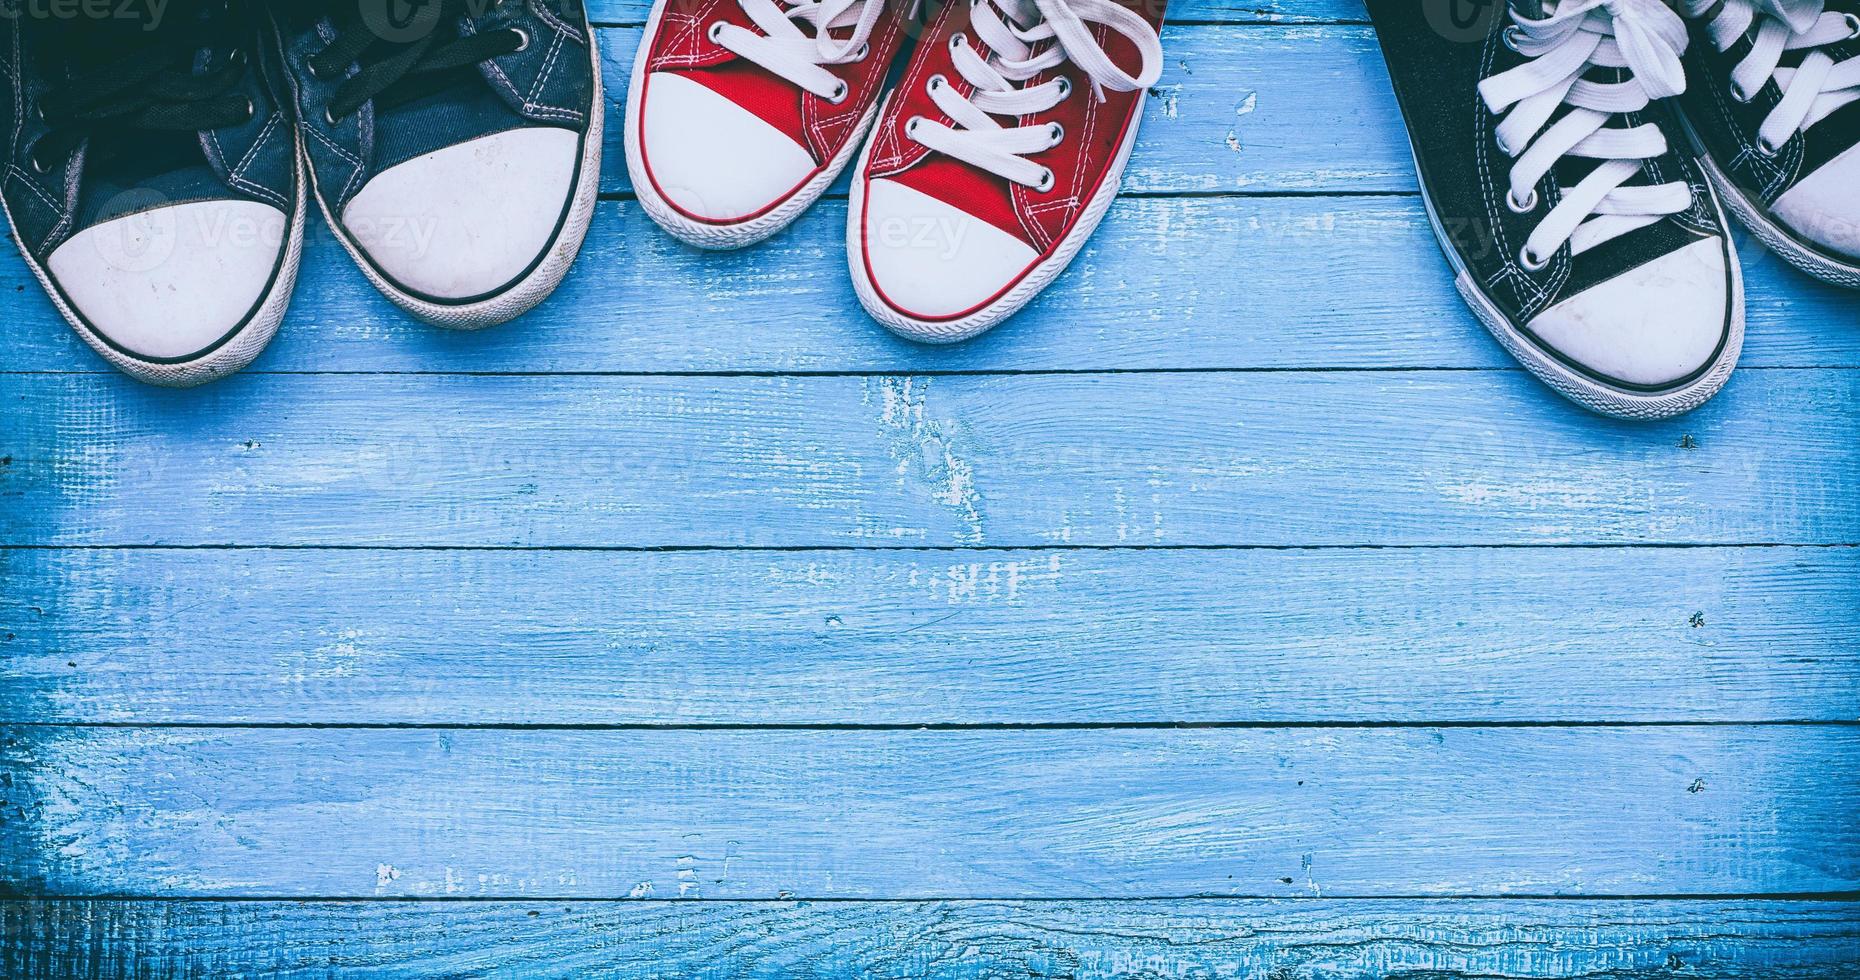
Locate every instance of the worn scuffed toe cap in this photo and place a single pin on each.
(712, 159)
(929, 260)
(470, 220)
(1824, 207)
(1657, 325)
(174, 282)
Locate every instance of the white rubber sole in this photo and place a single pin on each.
(1031, 283)
(523, 295)
(1767, 230)
(708, 234)
(232, 354)
(1588, 392)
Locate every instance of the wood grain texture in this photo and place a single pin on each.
(1383, 458)
(1186, 940)
(905, 637)
(1710, 810)
(1195, 282)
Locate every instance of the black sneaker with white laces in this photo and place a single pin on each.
(1581, 235)
(151, 179)
(1774, 109)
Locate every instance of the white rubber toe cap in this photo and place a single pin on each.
(1654, 325)
(171, 282)
(469, 220)
(711, 158)
(1824, 207)
(929, 260)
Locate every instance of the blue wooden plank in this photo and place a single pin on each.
(1379, 458)
(1339, 812)
(903, 637)
(1189, 940)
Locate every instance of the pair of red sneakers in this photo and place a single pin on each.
(988, 166)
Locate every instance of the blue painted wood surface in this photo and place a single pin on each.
(1242, 564)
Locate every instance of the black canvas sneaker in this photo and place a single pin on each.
(151, 179)
(454, 145)
(1580, 234)
(1774, 108)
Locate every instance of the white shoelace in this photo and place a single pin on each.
(1016, 55)
(1642, 36)
(1810, 92)
(798, 55)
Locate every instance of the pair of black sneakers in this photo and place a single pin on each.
(160, 157)
(1577, 158)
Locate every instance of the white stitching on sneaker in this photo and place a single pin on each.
(1813, 90)
(1016, 55)
(1642, 36)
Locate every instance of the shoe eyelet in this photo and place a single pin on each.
(251, 109)
(1056, 133)
(936, 83)
(236, 58)
(1525, 206)
(330, 119)
(523, 39)
(715, 33)
(1764, 147)
(1065, 88)
(1530, 261)
(911, 124)
(958, 41)
(1738, 93)
(1511, 36)
(38, 166)
(865, 51)
(1046, 181)
(1853, 26)
(839, 92)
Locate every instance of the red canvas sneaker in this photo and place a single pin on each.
(742, 112)
(996, 158)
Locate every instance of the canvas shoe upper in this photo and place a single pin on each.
(742, 112)
(1774, 106)
(998, 155)
(454, 145)
(1581, 236)
(151, 180)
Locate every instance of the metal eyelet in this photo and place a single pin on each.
(1853, 26)
(957, 41)
(1764, 147)
(715, 33)
(1525, 206)
(329, 118)
(523, 39)
(1738, 93)
(1056, 133)
(251, 109)
(39, 166)
(1530, 261)
(911, 124)
(839, 93)
(936, 83)
(1511, 36)
(236, 58)
(1046, 181)
(1065, 88)
(865, 50)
